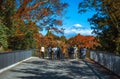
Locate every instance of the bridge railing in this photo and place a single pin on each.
(110, 61)
(9, 58)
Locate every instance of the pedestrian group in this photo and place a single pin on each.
(57, 53)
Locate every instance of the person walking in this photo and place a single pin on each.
(58, 52)
(54, 49)
(75, 51)
(42, 52)
(50, 52)
(80, 52)
(71, 52)
(83, 52)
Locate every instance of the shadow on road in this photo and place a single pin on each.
(47, 69)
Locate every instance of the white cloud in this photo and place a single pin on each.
(77, 31)
(77, 25)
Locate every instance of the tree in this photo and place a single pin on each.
(22, 16)
(3, 36)
(46, 13)
(63, 38)
(6, 11)
(42, 12)
(105, 22)
(84, 41)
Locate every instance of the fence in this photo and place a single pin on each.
(110, 61)
(10, 58)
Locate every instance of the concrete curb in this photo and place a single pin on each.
(13, 65)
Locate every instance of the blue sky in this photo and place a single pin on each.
(73, 22)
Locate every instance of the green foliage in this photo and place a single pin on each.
(21, 38)
(51, 35)
(63, 38)
(105, 23)
(6, 11)
(29, 41)
(3, 36)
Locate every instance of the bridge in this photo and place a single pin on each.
(37, 68)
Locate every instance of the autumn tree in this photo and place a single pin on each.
(43, 13)
(105, 22)
(46, 13)
(22, 16)
(83, 41)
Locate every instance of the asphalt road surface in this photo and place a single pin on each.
(37, 68)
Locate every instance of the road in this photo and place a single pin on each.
(37, 68)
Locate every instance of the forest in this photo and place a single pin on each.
(19, 29)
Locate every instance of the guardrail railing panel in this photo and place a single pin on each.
(110, 61)
(9, 58)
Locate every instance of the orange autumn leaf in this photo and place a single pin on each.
(83, 41)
